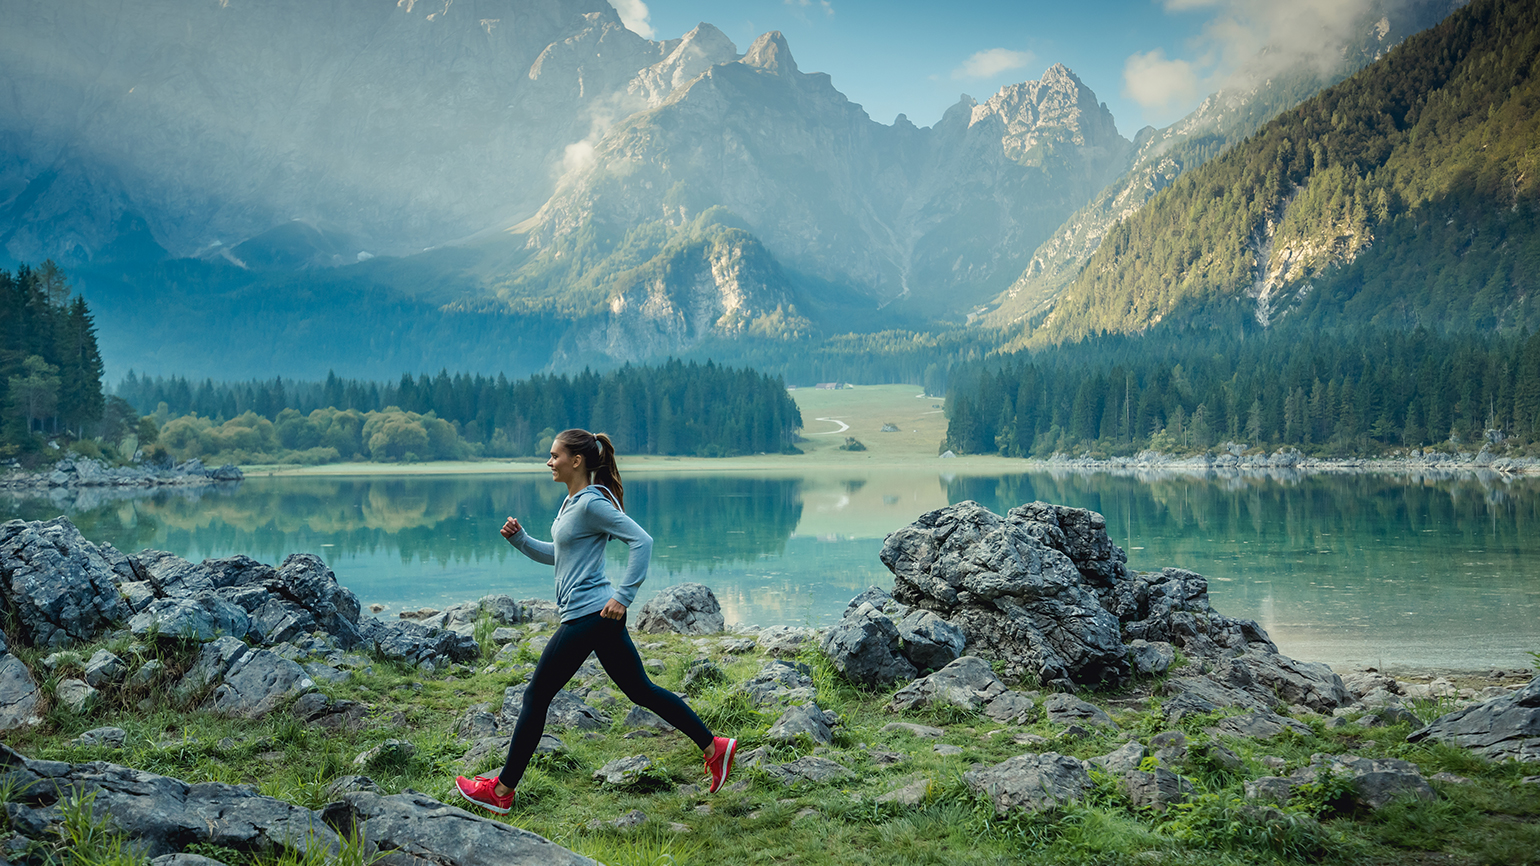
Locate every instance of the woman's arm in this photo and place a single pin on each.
(604, 517)
(540, 551)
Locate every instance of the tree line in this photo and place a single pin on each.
(1329, 392)
(50, 367)
(674, 408)
(1407, 195)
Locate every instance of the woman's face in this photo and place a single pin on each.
(564, 466)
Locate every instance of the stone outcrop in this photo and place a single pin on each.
(56, 585)
(1011, 585)
(1502, 728)
(567, 711)
(1374, 784)
(163, 816)
(864, 646)
(1172, 606)
(807, 720)
(19, 695)
(686, 608)
(78, 472)
(967, 684)
(779, 683)
(1031, 782)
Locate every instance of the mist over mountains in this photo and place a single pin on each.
(509, 185)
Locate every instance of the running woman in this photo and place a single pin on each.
(593, 614)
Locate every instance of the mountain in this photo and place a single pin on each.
(182, 127)
(886, 212)
(1403, 196)
(1259, 93)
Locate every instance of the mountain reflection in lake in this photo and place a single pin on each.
(1368, 569)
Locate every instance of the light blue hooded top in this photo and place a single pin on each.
(586, 521)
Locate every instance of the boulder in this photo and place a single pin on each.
(395, 752)
(170, 575)
(160, 814)
(77, 696)
(1169, 747)
(476, 723)
(864, 647)
(420, 831)
(686, 608)
(1010, 708)
(1199, 694)
(1011, 588)
(1122, 760)
(783, 640)
(1156, 790)
(1374, 783)
(202, 617)
(879, 598)
(966, 683)
(914, 730)
(1502, 728)
(57, 586)
(107, 736)
(104, 667)
(809, 769)
(1031, 782)
(624, 772)
(928, 641)
(19, 695)
(912, 794)
(304, 578)
(416, 644)
(779, 683)
(1150, 658)
(1259, 725)
(248, 683)
(1064, 709)
(643, 719)
(807, 720)
(1172, 606)
(567, 711)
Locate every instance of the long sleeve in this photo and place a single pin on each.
(540, 551)
(604, 517)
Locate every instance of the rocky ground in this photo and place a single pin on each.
(1019, 696)
(1289, 463)
(84, 472)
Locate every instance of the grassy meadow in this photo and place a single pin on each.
(1491, 816)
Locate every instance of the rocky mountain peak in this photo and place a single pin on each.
(770, 53)
(688, 57)
(1058, 107)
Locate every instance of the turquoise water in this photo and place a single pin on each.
(1358, 569)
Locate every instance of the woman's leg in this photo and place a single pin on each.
(624, 665)
(564, 654)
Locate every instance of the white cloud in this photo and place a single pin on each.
(1158, 83)
(1246, 42)
(825, 5)
(988, 64)
(634, 14)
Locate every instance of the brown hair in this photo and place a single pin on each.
(598, 454)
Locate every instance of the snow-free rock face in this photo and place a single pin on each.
(1014, 595)
(687, 608)
(1506, 727)
(58, 586)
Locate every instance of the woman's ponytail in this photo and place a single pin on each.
(598, 454)
(607, 471)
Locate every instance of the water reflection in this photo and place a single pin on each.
(1340, 568)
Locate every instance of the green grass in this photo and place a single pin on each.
(1490, 820)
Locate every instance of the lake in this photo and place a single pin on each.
(1366, 569)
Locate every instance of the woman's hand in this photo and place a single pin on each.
(511, 528)
(613, 610)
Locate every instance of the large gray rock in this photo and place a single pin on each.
(18, 695)
(160, 814)
(783, 640)
(929, 641)
(807, 720)
(416, 644)
(1172, 606)
(567, 711)
(1157, 790)
(968, 684)
(202, 617)
(1150, 658)
(1011, 585)
(1502, 728)
(247, 682)
(864, 647)
(462, 618)
(170, 575)
(624, 772)
(686, 608)
(1031, 782)
(1069, 710)
(104, 667)
(779, 683)
(1259, 725)
(1373, 783)
(809, 769)
(77, 696)
(417, 830)
(57, 586)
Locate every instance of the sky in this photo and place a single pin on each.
(1150, 61)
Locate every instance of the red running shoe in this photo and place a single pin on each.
(720, 764)
(483, 792)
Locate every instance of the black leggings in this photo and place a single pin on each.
(564, 654)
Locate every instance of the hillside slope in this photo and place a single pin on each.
(1404, 195)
